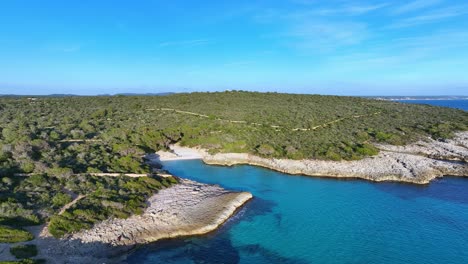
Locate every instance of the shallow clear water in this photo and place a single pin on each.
(297, 219)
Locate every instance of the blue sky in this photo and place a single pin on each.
(412, 47)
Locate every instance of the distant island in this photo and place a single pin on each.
(74, 168)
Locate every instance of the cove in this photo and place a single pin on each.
(298, 219)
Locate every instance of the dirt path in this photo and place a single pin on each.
(335, 121)
(107, 174)
(101, 174)
(79, 140)
(276, 127)
(45, 230)
(70, 204)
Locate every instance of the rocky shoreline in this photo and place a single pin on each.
(417, 163)
(188, 208)
(191, 208)
(185, 209)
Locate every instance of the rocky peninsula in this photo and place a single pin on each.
(185, 209)
(418, 163)
(188, 208)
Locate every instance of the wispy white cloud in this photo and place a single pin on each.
(185, 43)
(340, 11)
(447, 39)
(361, 9)
(312, 30)
(349, 38)
(401, 52)
(354, 9)
(415, 6)
(326, 35)
(431, 16)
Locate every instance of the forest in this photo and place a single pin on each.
(49, 146)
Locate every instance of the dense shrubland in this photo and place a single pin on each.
(38, 198)
(61, 140)
(43, 134)
(106, 197)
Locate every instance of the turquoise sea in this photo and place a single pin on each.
(459, 104)
(298, 219)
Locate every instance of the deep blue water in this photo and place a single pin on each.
(460, 104)
(298, 219)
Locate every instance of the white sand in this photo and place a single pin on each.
(179, 153)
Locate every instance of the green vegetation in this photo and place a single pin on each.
(61, 199)
(69, 135)
(12, 235)
(58, 143)
(106, 197)
(38, 198)
(25, 261)
(23, 251)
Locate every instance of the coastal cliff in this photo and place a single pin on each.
(417, 163)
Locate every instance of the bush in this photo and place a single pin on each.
(383, 137)
(265, 150)
(441, 131)
(24, 251)
(61, 199)
(366, 150)
(331, 155)
(11, 235)
(27, 167)
(59, 225)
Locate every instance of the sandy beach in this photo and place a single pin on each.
(178, 152)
